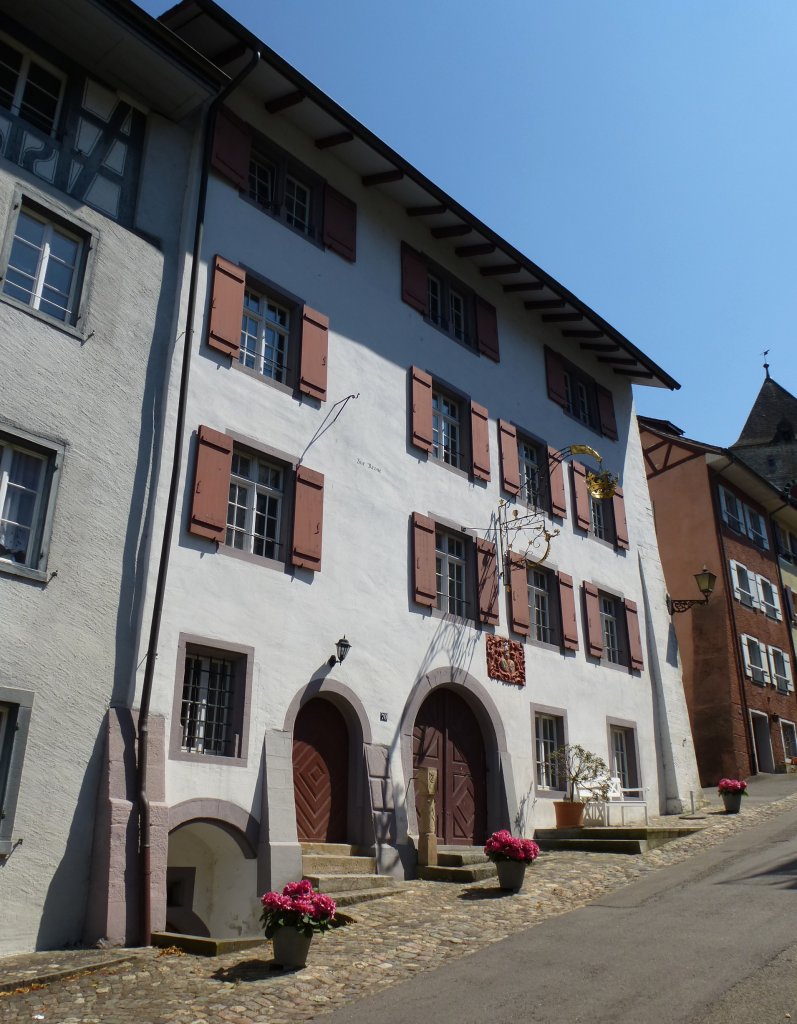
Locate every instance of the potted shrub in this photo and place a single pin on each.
(586, 777)
(511, 855)
(292, 917)
(732, 791)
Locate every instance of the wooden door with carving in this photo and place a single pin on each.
(447, 737)
(321, 772)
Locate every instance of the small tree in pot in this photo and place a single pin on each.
(586, 777)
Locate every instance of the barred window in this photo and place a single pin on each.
(207, 707)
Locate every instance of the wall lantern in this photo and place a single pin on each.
(705, 584)
(342, 647)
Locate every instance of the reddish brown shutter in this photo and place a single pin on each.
(507, 444)
(424, 577)
(606, 412)
(421, 408)
(211, 485)
(232, 147)
(581, 496)
(340, 224)
(480, 441)
(620, 524)
(556, 478)
(594, 631)
(487, 574)
(414, 280)
(555, 375)
(313, 361)
(567, 609)
(308, 518)
(226, 307)
(518, 578)
(487, 329)
(634, 641)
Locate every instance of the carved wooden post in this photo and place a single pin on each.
(426, 787)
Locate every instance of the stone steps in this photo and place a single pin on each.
(342, 872)
(626, 839)
(460, 864)
(329, 849)
(321, 864)
(338, 883)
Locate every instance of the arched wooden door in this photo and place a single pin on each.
(321, 772)
(446, 736)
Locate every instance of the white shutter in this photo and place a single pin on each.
(773, 663)
(756, 528)
(748, 668)
(768, 598)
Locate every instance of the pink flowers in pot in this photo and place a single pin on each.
(732, 786)
(298, 906)
(502, 845)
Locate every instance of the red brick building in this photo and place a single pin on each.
(713, 509)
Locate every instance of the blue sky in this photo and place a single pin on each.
(644, 152)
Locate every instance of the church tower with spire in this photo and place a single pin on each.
(768, 441)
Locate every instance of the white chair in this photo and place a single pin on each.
(618, 796)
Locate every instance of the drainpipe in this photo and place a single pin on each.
(145, 865)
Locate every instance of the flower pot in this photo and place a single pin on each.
(291, 947)
(510, 873)
(569, 813)
(732, 801)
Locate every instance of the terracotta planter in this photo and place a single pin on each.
(569, 813)
(732, 801)
(291, 947)
(511, 873)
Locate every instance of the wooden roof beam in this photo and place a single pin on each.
(425, 211)
(334, 140)
(633, 373)
(584, 334)
(479, 249)
(598, 346)
(382, 178)
(545, 304)
(280, 103)
(562, 318)
(503, 268)
(451, 230)
(524, 286)
(617, 360)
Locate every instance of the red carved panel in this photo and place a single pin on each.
(506, 660)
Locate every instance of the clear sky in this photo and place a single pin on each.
(643, 152)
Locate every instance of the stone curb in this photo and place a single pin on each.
(28, 980)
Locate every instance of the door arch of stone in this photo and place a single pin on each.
(321, 772)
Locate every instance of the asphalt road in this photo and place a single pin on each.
(712, 940)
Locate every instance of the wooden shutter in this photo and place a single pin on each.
(414, 280)
(519, 605)
(480, 441)
(556, 480)
(308, 519)
(421, 408)
(487, 329)
(791, 605)
(620, 524)
(226, 307)
(592, 610)
(555, 376)
(232, 148)
(340, 224)
(606, 412)
(634, 640)
(211, 492)
(567, 610)
(313, 360)
(487, 575)
(424, 575)
(508, 454)
(581, 496)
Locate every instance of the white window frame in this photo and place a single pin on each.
(541, 613)
(729, 517)
(275, 368)
(253, 491)
(547, 775)
(772, 609)
(36, 289)
(622, 757)
(758, 673)
(787, 685)
(611, 629)
(758, 532)
(447, 429)
(262, 178)
(15, 712)
(304, 225)
(451, 566)
(529, 470)
(748, 597)
(28, 57)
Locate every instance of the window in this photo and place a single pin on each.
(732, 510)
(265, 336)
(542, 606)
(611, 630)
(786, 543)
(789, 734)
(450, 568)
(624, 760)
(211, 706)
(769, 598)
(28, 474)
(447, 436)
(45, 264)
(449, 427)
(780, 667)
(743, 519)
(15, 712)
(29, 88)
(756, 528)
(530, 470)
(448, 303)
(601, 519)
(756, 665)
(549, 734)
(290, 192)
(255, 511)
(578, 400)
(745, 588)
(579, 395)
(530, 461)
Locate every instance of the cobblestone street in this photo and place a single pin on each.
(417, 929)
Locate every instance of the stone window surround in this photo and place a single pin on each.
(546, 709)
(17, 740)
(624, 723)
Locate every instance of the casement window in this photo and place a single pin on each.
(29, 87)
(267, 332)
(44, 264)
(448, 304)
(604, 520)
(769, 599)
(745, 586)
(15, 712)
(242, 494)
(211, 702)
(791, 605)
(450, 427)
(780, 669)
(454, 573)
(29, 472)
(786, 543)
(612, 628)
(579, 395)
(756, 662)
(624, 760)
(756, 528)
(789, 734)
(549, 735)
(542, 605)
(743, 519)
(530, 470)
(283, 187)
(732, 510)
